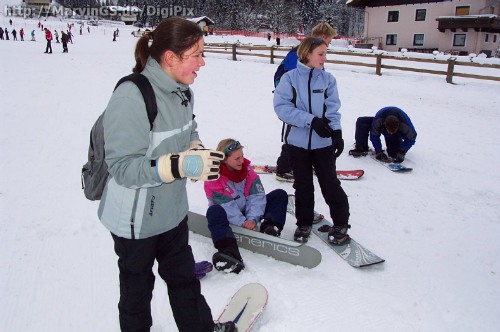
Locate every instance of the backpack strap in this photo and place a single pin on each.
(147, 92)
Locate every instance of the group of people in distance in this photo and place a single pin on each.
(145, 203)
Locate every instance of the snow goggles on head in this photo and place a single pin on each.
(317, 41)
(231, 147)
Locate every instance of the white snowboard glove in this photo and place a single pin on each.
(196, 164)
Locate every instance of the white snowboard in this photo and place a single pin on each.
(245, 307)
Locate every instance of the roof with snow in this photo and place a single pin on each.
(380, 3)
(205, 19)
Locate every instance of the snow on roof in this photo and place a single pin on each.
(462, 17)
(133, 9)
(201, 18)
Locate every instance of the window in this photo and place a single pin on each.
(459, 39)
(393, 16)
(418, 39)
(420, 14)
(486, 37)
(391, 39)
(494, 38)
(462, 10)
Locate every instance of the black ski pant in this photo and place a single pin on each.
(363, 127)
(284, 162)
(48, 49)
(175, 266)
(323, 160)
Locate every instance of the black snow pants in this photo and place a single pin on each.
(323, 161)
(175, 266)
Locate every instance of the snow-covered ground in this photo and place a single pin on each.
(438, 227)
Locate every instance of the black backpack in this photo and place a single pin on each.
(95, 170)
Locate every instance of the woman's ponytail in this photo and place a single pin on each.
(142, 52)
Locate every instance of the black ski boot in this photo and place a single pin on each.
(269, 227)
(302, 233)
(358, 152)
(338, 235)
(228, 258)
(225, 327)
(285, 177)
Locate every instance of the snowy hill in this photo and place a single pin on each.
(437, 227)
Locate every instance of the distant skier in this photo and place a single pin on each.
(21, 34)
(48, 38)
(64, 39)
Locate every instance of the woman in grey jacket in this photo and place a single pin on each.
(307, 101)
(144, 204)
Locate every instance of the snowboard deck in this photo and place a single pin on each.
(398, 168)
(246, 306)
(283, 250)
(354, 174)
(353, 253)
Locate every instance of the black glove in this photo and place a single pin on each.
(400, 157)
(337, 143)
(321, 127)
(382, 157)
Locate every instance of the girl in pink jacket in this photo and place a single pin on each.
(238, 198)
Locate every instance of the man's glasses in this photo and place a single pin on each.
(231, 147)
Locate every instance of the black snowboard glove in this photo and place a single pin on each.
(337, 142)
(400, 157)
(382, 157)
(321, 127)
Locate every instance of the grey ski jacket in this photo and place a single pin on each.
(136, 204)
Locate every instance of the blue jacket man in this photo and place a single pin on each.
(396, 127)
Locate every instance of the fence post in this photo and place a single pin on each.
(272, 55)
(378, 69)
(234, 52)
(449, 72)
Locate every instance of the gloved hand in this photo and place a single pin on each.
(321, 127)
(196, 164)
(193, 145)
(382, 156)
(337, 143)
(400, 157)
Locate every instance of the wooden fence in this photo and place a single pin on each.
(377, 61)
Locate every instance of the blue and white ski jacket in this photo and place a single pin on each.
(303, 94)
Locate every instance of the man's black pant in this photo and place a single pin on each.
(323, 161)
(363, 127)
(284, 162)
(175, 266)
(48, 49)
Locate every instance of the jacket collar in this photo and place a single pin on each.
(305, 70)
(162, 80)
